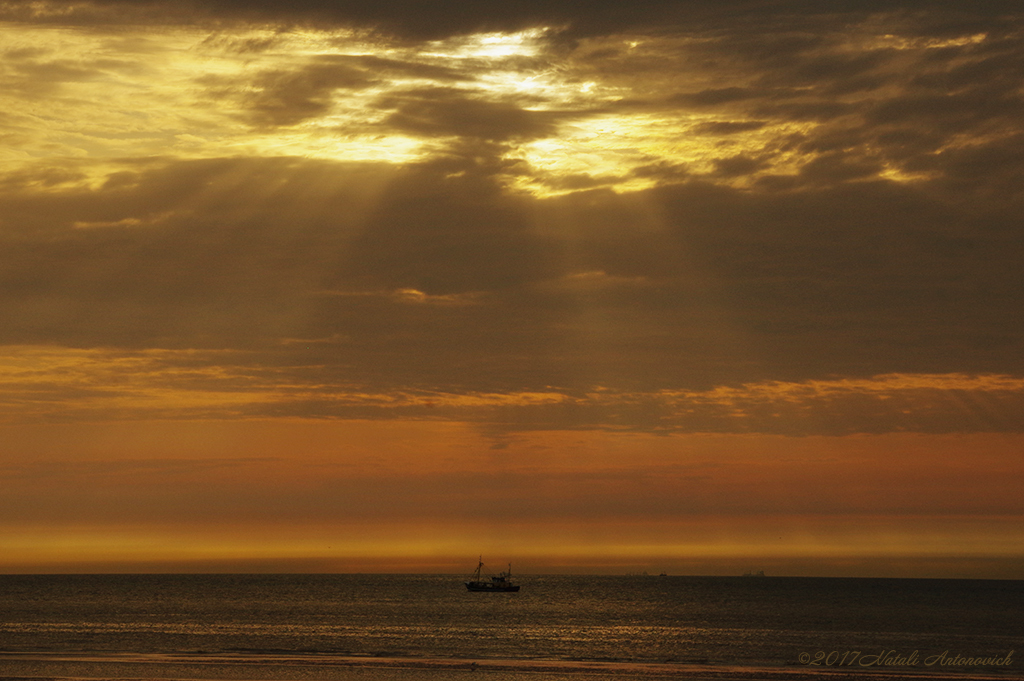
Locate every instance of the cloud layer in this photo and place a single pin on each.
(714, 204)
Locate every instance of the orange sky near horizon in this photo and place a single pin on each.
(702, 288)
(397, 496)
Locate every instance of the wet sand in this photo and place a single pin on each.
(313, 667)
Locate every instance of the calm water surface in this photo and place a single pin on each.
(713, 621)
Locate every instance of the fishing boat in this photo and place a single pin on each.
(500, 582)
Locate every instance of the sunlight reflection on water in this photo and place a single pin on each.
(717, 621)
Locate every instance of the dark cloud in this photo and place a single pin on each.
(445, 112)
(285, 97)
(887, 275)
(994, 170)
(877, 103)
(953, 112)
(37, 73)
(715, 96)
(741, 164)
(185, 253)
(418, 20)
(839, 167)
(289, 97)
(863, 279)
(412, 19)
(728, 127)
(443, 238)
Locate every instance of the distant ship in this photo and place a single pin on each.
(501, 582)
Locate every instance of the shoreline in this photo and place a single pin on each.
(315, 666)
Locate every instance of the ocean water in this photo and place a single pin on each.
(336, 626)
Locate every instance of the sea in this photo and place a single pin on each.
(557, 627)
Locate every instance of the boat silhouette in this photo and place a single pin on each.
(500, 582)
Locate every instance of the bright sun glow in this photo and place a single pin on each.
(334, 95)
(202, 95)
(489, 46)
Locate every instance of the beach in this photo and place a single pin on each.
(313, 667)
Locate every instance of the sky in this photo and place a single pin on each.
(350, 286)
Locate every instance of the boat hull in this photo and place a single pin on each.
(489, 586)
